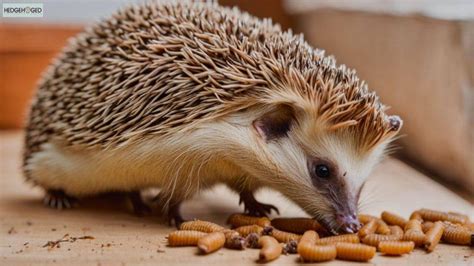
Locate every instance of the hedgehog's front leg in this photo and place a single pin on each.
(173, 209)
(140, 208)
(174, 214)
(254, 207)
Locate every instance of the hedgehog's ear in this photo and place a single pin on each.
(275, 123)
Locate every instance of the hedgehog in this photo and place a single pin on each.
(182, 96)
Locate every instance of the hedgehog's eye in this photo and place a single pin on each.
(322, 171)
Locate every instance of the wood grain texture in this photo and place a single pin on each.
(123, 239)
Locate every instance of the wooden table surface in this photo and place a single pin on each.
(120, 238)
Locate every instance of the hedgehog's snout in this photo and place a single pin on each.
(341, 223)
(347, 223)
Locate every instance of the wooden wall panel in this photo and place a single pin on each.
(25, 52)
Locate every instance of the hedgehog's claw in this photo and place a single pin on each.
(254, 207)
(59, 200)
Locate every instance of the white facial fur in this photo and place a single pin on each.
(286, 162)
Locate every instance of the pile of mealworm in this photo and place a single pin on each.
(390, 235)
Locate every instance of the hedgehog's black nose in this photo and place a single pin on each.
(348, 223)
(395, 122)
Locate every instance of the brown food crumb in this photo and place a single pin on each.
(55, 243)
(236, 242)
(252, 240)
(12, 231)
(29, 223)
(267, 230)
(290, 247)
(65, 238)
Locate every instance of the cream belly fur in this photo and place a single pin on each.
(185, 163)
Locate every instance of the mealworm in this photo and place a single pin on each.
(426, 226)
(309, 238)
(315, 253)
(433, 236)
(414, 225)
(382, 227)
(396, 247)
(396, 230)
(365, 218)
(234, 240)
(417, 237)
(252, 240)
(354, 252)
(368, 228)
(414, 232)
(461, 217)
(375, 239)
(457, 235)
(203, 226)
(456, 218)
(211, 242)
(469, 226)
(349, 238)
(309, 252)
(284, 237)
(185, 238)
(416, 216)
(296, 225)
(248, 229)
(464, 216)
(270, 250)
(393, 219)
(237, 220)
(432, 215)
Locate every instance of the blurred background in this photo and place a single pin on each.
(417, 55)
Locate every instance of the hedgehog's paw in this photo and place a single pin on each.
(173, 209)
(140, 208)
(260, 209)
(59, 200)
(177, 220)
(254, 207)
(174, 215)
